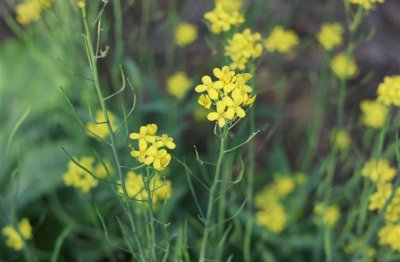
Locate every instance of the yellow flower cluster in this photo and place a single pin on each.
(30, 10)
(390, 236)
(225, 15)
(341, 139)
(185, 33)
(152, 148)
(378, 170)
(80, 179)
(328, 215)
(99, 127)
(16, 237)
(389, 91)
(330, 35)
(281, 40)
(178, 84)
(366, 4)
(161, 188)
(272, 213)
(242, 47)
(343, 66)
(229, 95)
(366, 251)
(374, 113)
(381, 173)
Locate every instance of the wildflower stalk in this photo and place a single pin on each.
(349, 52)
(250, 184)
(93, 66)
(146, 182)
(213, 191)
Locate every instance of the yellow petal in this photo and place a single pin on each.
(212, 116)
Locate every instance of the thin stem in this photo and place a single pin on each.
(211, 198)
(93, 63)
(147, 181)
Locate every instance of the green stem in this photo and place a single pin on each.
(211, 198)
(349, 52)
(250, 191)
(327, 245)
(147, 181)
(93, 62)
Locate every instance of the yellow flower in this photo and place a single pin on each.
(205, 101)
(374, 113)
(378, 199)
(389, 91)
(185, 33)
(178, 84)
(366, 4)
(283, 185)
(378, 170)
(230, 5)
(80, 4)
(329, 215)
(151, 147)
(222, 114)
(341, 139)
(99, 127)
(242, 47)
(222, 18)
(30, 10)
(231, 93)
(389, 235)
(330, 35)
(344, 67)
(15, 239)
(161, 188)
(272, 216)
(79, 178)
(281, 40)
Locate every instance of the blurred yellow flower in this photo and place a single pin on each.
(30, 10)
(161, 189)
(329, 215)
(283, 185)
(230, 5)
(378, 170)
(223, 17)
(281, 40)
(378, 199)
(330, 35)
(389, 91)
(79, 178)
(272, 216)
(99, 127)
(389, 235)
(366, 4)
(185, 33)
(344, 67)
(14, 238)
(80, 4)
(341, 139)
(178, 84)
(374, 113)
(242, 47)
